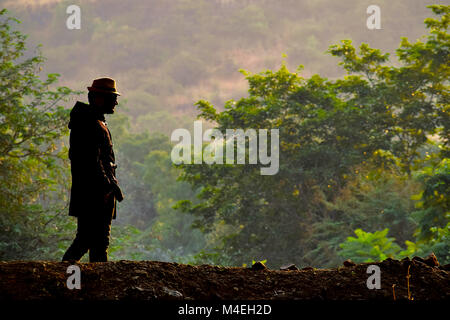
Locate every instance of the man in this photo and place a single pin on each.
(95, 188)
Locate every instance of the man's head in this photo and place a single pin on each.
(103, 95)
(104, 102)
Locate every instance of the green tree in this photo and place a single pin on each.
(33, 161)
(416, 97)
(410, 103)
(371, 201)
(378, 116)
(433, 213)
(369, 247)
(148, 228)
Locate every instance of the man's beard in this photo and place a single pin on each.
(109, 111)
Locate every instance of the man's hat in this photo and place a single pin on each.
(105, 85)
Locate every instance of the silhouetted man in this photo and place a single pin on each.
(94, 185)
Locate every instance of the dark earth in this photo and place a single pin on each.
(153, 280)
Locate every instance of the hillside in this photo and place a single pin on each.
(153, 280)
(166, 56)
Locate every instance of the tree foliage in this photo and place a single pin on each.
(376, 118)
(32, 163)
(369, 247)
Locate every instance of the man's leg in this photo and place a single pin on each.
(98, 251)
(80, 245)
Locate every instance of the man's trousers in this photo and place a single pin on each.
(93, 231)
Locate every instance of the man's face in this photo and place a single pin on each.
(106, 102)
(110, 103)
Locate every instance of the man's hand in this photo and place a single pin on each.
(117, 192)
(116, 189)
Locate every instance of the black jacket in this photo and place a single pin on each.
(92, 160)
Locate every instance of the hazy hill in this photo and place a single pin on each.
(168, 54)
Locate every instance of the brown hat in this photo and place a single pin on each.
(105, 85)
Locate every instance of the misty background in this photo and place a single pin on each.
(166, 55)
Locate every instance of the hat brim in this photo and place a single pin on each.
(103, 91)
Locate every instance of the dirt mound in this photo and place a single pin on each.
(418, 279)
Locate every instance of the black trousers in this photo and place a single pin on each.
(93, 231)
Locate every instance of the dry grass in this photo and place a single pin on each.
(408, 276)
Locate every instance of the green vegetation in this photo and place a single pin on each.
(33, 166)
(166, 55)
(373, 128)
(369, 247)
(364, 154)
(149, 228)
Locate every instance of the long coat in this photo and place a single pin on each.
(92, 161)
